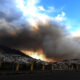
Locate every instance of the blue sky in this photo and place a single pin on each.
(69, 7)
(64, 11)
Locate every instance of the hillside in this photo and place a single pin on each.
(13, 55)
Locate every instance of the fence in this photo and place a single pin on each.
(6, 66)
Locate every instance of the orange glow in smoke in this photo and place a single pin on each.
(38, 55)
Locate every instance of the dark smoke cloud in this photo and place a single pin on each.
(18, 33)
(9, 10)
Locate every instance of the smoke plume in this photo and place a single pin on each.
(49, 36)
